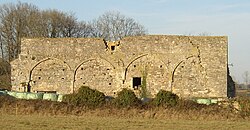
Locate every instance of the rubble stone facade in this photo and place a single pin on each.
(190, 66)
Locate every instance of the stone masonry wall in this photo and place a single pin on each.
(190, 66)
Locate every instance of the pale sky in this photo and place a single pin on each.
(178, 17)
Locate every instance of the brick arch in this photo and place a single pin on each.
(52, 75)
(100, 60)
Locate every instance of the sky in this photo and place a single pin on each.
(175, 17)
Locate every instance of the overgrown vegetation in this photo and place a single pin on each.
(143, 91)
(164, 105)
(244, 104)
(184, 109)
(5, 82)
(126, 98)
(85, 96)
(165, 99)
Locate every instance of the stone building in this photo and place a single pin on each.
(190, 66)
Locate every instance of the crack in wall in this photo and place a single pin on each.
(203, 69)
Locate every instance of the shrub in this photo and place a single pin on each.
(126, 98)
(85, 96)
(165, 98)
(6, 100)
(144, 92)
(244, 104)
(69, 98)
(188, 104)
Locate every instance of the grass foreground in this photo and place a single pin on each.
(18, 114)
(34, 121)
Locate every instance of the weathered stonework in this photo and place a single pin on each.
(190, 66)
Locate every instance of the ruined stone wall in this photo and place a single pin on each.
(190, 66)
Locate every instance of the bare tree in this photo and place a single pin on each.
(61, 24)
(115, 26)
(82, 29)
(1, 45)
(26, 20)
(54, 26)
(73, 28)
(205, 34)
(246, 77)
(16, 21)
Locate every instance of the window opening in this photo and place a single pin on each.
(136, 82)
(112, 48)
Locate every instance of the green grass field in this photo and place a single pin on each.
(19, 122)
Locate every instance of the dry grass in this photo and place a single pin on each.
(242, 93)
(183, 111)
(39, 114)
(35, 121)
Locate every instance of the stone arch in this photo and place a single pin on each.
(94, 69)
(50, 74)
(175, 68)
(156, 72)
(130, 62)
(43, 60)
(189, 78)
